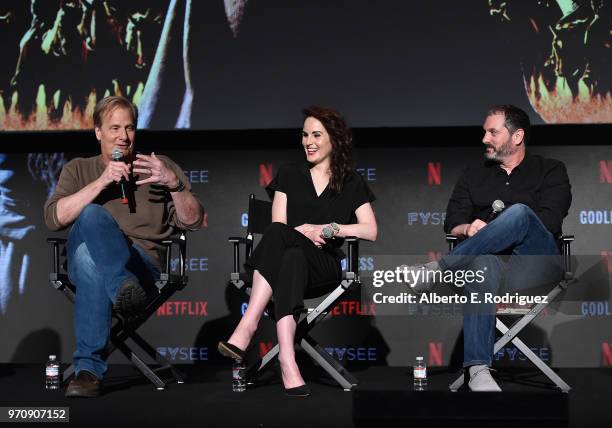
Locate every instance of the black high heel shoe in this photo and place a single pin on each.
(228, 350)
(301, 391)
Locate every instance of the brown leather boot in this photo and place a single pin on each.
(85, 384)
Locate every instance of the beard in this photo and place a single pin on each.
(498, 154)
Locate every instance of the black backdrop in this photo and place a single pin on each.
(412, 171)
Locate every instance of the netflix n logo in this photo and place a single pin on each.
(264, 348)
(605, 172)
(606, 261)
(434, 173)
(265, 174)
(435, 354)
(606, 354)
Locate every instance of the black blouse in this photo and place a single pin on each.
(304, 206)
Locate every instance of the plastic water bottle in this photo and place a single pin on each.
(52, 373)
(238, 376)
(420, 375)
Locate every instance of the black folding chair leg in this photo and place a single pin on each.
(141, 366)
(263, 363)
(341, 375)
(544, 368)
(322, 308)
(160, 359)
(510, 333)
(521, 346)
(67, 373)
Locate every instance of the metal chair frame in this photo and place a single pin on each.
(510, 334)
(125, 328)
(350, 280)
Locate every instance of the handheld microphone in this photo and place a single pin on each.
(496, 207)
(117, 156)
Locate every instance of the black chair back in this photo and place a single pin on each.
(260, 215)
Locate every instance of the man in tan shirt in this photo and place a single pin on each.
(114, 241)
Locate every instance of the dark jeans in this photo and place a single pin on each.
(533, 261)
(100, 259)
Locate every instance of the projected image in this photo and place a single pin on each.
(59, 56)
(566, 57)
(16, 227)
(217, 64)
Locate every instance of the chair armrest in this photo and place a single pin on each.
(353, 253)
(236, 241)
(566, 252)
(55, 240)
(56, 253)
(181, 243)
(170, 241)
(452, 241)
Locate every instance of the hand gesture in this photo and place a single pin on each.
(157, 170)
(114, 172)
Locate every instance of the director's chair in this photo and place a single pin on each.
(509, 334)
(260, 216)
(124, 328)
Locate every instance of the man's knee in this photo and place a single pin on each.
(487, 270)
(518, 211)
(81, 264)
(94, 215)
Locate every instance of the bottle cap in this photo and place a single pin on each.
(52, 357)
(419, 358)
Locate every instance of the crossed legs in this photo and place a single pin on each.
(287, 265)
(261, 293)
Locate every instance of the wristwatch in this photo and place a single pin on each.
(179, 187)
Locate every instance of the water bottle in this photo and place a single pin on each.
(420, 375)
(238, 376)
(52, 373)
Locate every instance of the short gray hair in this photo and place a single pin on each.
(108, 104)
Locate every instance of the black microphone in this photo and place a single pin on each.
(496, 207)
(117, 156)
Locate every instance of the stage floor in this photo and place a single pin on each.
(207, 400)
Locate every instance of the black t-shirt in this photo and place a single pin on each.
(304, 206)
(541, 184)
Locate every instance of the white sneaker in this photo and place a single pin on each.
(481, 379)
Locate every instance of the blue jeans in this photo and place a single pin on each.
(100, 259)
(533, 260)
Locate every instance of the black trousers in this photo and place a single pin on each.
(294, 267)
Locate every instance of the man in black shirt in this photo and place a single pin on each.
(536, 194)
